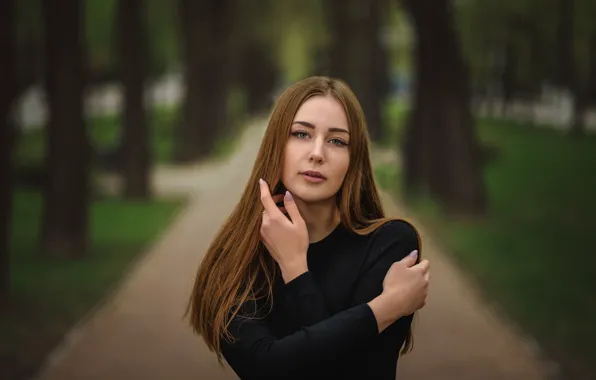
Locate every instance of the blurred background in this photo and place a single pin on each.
(488, 109)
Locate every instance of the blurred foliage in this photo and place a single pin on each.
(99, 21)
(161, 18)
(105, 135)
(293, 29)
(100, 25)
(486, 26)
(399, 39)
(395, 113)
(296, 30)
(305, 33)
(163, 35)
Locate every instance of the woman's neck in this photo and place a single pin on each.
(321, 219)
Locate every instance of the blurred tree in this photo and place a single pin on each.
(565, 62)
(567, 71)
(164, 35)
(259, 74)
(577, 72)
(160, 19)
(255, 66)
(508, 46)
(65, 223)
(132, 43)
(591, 82)
(7, 93)
(441, 151)
(99, 37)
(510, 43)
(205, 51)
(29, 36)
(357, 55)
(300, 37)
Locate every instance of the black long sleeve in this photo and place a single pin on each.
(257, 353)
(382, 353)
(347, 341)
(303, 302)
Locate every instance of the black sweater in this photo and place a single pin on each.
(320, 325)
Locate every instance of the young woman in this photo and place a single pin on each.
(325, 285)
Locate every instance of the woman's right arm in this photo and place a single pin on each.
(256, 353)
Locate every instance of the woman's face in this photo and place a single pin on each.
(316, 157)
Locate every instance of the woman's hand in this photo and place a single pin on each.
(285, 239)
(405, 289)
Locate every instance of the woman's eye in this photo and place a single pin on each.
(300, 135)
(338, 142)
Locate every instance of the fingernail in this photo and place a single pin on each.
(261, 181)
(414, 253)
(289, 196)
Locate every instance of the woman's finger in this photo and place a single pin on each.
(292, 209)
(423, 266)
(266, 199)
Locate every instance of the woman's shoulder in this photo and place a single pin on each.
(395, 229)
(396, 237)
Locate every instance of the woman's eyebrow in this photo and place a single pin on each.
(309, 125)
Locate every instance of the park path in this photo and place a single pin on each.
(138, 332)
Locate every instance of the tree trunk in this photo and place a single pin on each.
(357, 55)
(258, 75)
(205, 35)
(566, 65)
(132, 37)
(580, 107)
(379, 67)
(7, 92)
(65, 225)
(566, 70)
(508, 74)
(591, 83)
(584, 94)
(441, 152)
(338, 19)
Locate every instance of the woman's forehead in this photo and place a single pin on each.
(322, 111)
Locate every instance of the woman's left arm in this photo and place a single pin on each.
(392, 243)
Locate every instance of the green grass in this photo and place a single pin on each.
(50, 295)
(534, 253)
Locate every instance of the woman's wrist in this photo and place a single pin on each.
(289, 271)
(384, 312)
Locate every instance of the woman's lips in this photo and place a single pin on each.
(311, 178)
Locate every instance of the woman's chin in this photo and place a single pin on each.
(311, 196)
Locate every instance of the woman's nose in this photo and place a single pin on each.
(316, 154)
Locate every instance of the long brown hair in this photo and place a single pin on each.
(236, 267)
